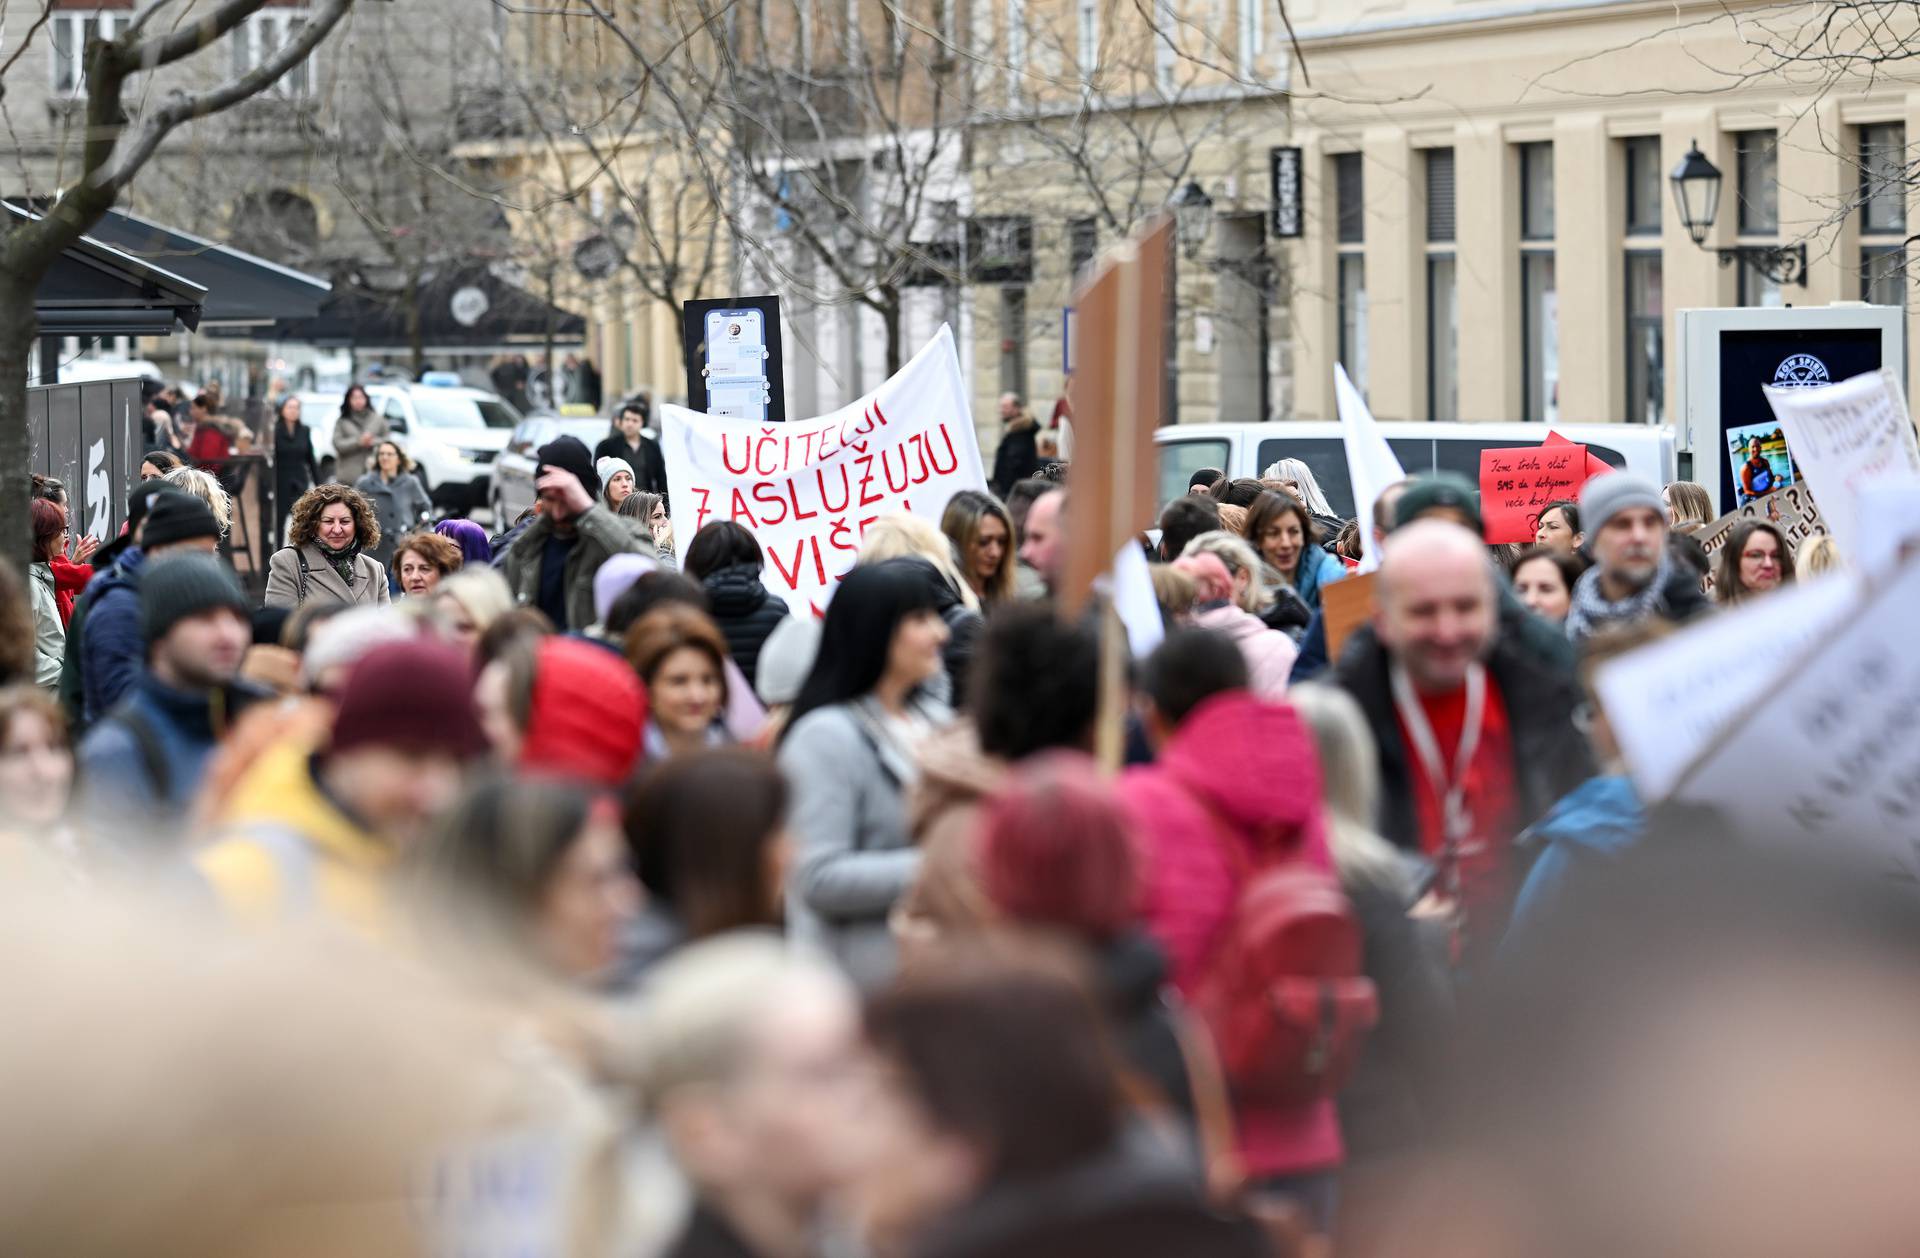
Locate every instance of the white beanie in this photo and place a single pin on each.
(610, 465)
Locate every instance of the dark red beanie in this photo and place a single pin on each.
(587, 714)
(1057, 848)
(411, 696)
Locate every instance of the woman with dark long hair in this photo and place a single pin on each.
(294, 469)
(848, 750)
(354, 435)
(399, 502)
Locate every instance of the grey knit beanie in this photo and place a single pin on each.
(174, 588)
(1604, 497)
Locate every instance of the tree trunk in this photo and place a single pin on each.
(17, 329)
(416, 337)
(889, 307)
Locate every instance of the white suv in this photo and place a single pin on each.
(452, 434)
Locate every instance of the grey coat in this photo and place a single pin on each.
(854, 855)
(349, 456)
(399, 504)
(49, 635)
(323, 583)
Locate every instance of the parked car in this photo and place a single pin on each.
(320, 411)
(513, 490)
(1248, 449)
(452, 434)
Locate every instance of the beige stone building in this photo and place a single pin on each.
(1489, 230)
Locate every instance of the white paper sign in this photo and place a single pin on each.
(1371, 464)
(1894, 508)
(1845, 437)
(1830, 753)
(809, 488)
(1667, 702)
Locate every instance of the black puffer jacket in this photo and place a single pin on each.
(745, 612)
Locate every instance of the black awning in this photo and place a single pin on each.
(96, 290)
(242, 290)
(461, 309)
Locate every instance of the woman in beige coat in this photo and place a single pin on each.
(323, 561)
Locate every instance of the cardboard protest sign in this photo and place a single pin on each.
(1828, 751)
(1517, 484)
(1346, 605)
(1667, 702)
(1847, 436)
(1792, 510)
(808, 489)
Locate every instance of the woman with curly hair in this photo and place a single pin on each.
(421, 559)
(323, 560)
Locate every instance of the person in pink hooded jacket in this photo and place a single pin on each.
(1216, 606)
(1235, 791)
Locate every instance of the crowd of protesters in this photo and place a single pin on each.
(831, 937)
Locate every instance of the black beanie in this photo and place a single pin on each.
(570, 454)
(177, 517)
(180, 586)
(141, 500)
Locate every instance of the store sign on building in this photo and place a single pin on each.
(1284, 164)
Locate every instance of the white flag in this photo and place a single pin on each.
(1371, 464)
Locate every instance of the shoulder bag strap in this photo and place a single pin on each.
(300, 554)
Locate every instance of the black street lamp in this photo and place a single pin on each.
(1192, 217)
(1696, 194)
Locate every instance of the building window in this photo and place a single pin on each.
(1251, 37)
(1013, 340)
(1645, 186)
(1166, 53)
(261, 36)
(1439, 196)
(1646, 339)
(1349, 202)
(1351, 233)
(1443, 291)
(1016, 48)
(1083, 243)
(1539, 298)
(1646, 305)
(1089, 33)
(1353, 318)
(72, 32)
(1883, 214)
(1758, 162)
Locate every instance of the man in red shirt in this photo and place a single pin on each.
(1475, 733)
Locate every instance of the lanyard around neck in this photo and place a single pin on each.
(1449, 788)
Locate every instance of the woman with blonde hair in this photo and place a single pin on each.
(981, 532)
(206, 487)
(1819, 554)
(1250, 590)
(1688, 505)
(467, 603)
(1268, 652)
(908, 537)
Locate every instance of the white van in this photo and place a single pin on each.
(1248, 449)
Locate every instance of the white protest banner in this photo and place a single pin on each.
(1667, 702)
(808, 489)
(1371, 465)
(1845, 437)
(1894, 508)
(1829, 752)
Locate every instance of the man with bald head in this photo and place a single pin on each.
(1475, 733)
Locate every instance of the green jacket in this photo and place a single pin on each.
(602, 535)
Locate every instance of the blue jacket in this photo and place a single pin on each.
(131, 780)
(113, 652)
(1594, 824)
(1317, 569)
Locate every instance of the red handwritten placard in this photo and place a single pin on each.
(1516, 484)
